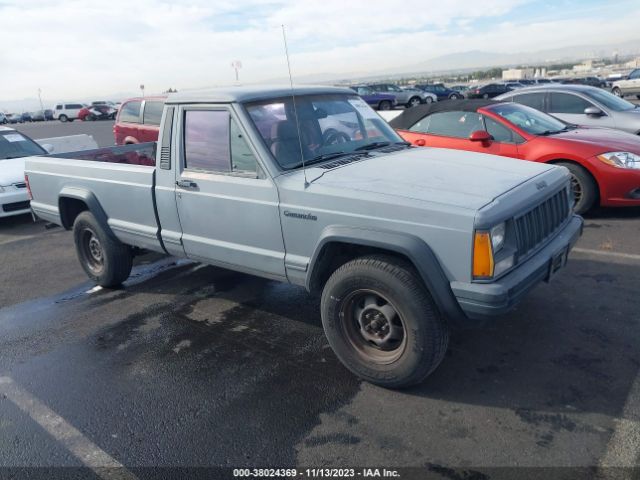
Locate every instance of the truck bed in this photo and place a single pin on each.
(120, 180)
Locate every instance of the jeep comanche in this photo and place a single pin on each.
(310, 186)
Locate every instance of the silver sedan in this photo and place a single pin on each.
(580, 105)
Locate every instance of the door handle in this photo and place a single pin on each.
(186, 184)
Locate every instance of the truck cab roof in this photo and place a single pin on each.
(253, 93)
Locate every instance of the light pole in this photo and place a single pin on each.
(142, 89)
(40, 98)
(236, 65)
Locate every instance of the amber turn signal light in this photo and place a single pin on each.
(482, 256)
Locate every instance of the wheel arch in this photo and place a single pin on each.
(72, 201)
(339, 245)
(586, 168)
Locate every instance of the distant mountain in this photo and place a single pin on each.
(482, 59)
(478, 59)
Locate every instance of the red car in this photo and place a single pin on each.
(138, 120)
(604, 163)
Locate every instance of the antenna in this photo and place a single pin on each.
(295, 110)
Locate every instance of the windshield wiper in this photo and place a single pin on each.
(553, 132)
(371, 146)
(318, 158)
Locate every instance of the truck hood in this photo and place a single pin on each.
(11, 171)
(601, 140)
(452, 177)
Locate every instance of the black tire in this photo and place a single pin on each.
(104, 259)
(485, 95)
(454, 96)
(638, 97)
(63, 118)
(585, 189)
(428, 100)
(346, 303)
(414, 102)
(384, 105)
(91, 117)
(617, 92)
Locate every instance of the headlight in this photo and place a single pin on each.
(620, 159)
(497, 237)
(486, 246)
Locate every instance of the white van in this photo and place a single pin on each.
(67, 111)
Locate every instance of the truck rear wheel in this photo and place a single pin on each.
(105, 260)
(382, 323)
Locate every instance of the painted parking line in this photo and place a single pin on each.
(623, 449)
(81, 447)
(604, 253)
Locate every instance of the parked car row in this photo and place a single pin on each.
(36, 116)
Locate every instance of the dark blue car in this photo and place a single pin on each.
(379, 101)
(440, 91)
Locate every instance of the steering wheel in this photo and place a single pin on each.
(334, 137)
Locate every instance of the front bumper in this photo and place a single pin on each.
(482, 300)
(14, 201)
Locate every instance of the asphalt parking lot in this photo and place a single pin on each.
(191, 365)
(236, 371)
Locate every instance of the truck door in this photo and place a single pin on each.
(228, 206)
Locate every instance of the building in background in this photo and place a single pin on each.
(517, 73)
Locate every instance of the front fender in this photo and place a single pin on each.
(413, 248)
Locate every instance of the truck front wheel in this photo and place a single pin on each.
(105, 260)
(382, 323)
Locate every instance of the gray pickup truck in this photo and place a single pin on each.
(310, 186)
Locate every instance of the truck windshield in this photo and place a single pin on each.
(329, 126)
(15, 145)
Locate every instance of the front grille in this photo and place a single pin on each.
(535, 226)
(12, 207)
(20, 185)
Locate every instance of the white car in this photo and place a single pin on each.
(67, 112)
(14, 147)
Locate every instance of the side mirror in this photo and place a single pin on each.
(48, 147)
(481, 136)
(593, 112)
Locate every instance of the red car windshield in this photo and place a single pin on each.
(528, 119)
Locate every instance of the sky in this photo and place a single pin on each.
(76, 49)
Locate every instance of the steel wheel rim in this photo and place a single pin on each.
(576, 186)
(92, 250)
(372, 325)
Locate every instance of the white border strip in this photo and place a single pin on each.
(603, 253)
(81, 447)
(623, 449)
